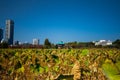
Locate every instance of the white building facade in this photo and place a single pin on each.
(103, 42)
(35, 41)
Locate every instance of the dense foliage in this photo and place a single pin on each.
(47, 44)
(46, 64)
(117, 43)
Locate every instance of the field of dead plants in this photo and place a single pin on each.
(49, 64)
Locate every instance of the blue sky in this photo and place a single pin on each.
(66, 20)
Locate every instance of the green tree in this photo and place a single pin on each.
(47, 44)
(117, 43)
(4, 45)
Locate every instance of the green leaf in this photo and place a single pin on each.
(111, 70)
(41, 69)
(56, 68)
(65, 63)
(86, 62)
(22, 69)
(118, 64)
(85, 52)
(32, 67)
(46, 69)
(16, 54)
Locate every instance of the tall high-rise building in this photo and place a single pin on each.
(1, 34)
(9, 31)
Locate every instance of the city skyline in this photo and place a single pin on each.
(62, 20)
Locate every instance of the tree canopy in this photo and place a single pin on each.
(47, 43)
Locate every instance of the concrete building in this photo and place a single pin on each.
(9, 31)
(1, 34)
(16, 42)
(35, 41)
(103, 42)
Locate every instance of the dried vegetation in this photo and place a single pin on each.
(46, 64)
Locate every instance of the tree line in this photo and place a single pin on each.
(48, 45)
